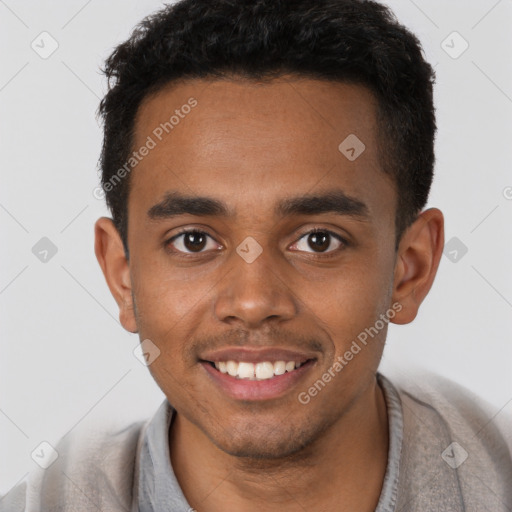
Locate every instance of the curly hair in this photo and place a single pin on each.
(352, 41)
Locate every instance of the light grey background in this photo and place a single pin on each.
(65, 359)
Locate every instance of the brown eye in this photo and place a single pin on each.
(320, 241)
(191, 241)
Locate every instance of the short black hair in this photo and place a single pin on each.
(352, 41)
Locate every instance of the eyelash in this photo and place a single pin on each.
(184, 231)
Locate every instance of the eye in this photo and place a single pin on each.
(320, 240)
(190, 241)
(195, 241)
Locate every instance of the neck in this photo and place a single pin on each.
(342, 470)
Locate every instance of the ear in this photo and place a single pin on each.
(109, 250)
(418, 257)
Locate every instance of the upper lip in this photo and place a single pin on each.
(256, 355)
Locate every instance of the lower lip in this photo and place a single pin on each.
(245, 389)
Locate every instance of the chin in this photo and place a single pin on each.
(268, 443)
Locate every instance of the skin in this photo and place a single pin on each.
(251, 145)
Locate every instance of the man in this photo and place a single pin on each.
(267, 165)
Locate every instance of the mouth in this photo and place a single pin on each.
(257, 375)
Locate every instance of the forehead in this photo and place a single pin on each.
(249, 141)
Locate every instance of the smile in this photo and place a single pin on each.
(257, 380)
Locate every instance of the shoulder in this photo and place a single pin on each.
(94, 470)
(456, 406)
(454, 439)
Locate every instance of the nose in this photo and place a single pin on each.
(254, 293)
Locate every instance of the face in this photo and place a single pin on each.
(254, 239)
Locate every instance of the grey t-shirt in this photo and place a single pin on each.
(449, 452)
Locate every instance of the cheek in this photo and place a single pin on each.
(348, 305)
(163, 297)
(170, 313)
(352, 298)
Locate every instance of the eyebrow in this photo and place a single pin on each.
(335, 201)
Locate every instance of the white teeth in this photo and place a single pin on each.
(259, 371)
(232, 368)
(264, 370)
(246, 370)
(290, 366)
(279, 367)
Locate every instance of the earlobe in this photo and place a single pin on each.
(110, 254)
(418, 258)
